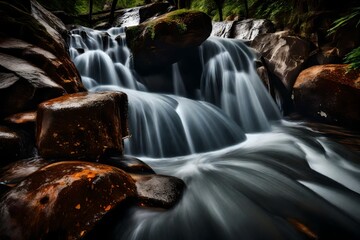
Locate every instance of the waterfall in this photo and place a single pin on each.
(249, 174)
(231, 98)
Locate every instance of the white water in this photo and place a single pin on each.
(248, 175)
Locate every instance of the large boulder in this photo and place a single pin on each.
(81, 125)
(63, 200)
(34, 61)
(285, 55)
(329, 93)
(23, 86)
(60, 70)
(162, 41)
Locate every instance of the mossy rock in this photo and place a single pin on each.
(166, 37)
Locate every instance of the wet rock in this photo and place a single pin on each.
(14, 144)
(162, 41)
(13, 173)
(63, 200)
(29, 21)
(222, 29)
(81, 125)
(24, 120)
(127, 17)
(285, 55)
(34, 34)
(60, 70)
(248, 29)
(127, 163)
(23, 86)
(329, 93)
(158, 190)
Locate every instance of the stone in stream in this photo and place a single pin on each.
(164, 40)
(158, 190)
(329, 93)
(81, 125)
(63, 200)
(67, 199)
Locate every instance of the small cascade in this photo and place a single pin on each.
(246, 177)
(228, 81)
(168, 125)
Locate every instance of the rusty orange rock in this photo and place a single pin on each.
(64, 199)
(81, 125)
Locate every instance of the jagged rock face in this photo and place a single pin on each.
(250, 28)
(329, 93)
(246, 29)
(32, 47)
(81, 125)
(23, 86)
(60, 70)
(63, 200)
(285, 55)
(162, 41)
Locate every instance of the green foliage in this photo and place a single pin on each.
(278, 11)
(353, 57)
(77, 7)
(354, 15)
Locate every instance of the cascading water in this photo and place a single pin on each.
(249, 175)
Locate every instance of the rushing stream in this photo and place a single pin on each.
(249, 174)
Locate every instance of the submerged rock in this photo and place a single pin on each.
(285, 55)
(329, 93)
(63, 200)
(162, 41)
(81, 125)
(158, 190)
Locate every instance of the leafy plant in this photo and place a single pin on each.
(353, 57)
(344, 21)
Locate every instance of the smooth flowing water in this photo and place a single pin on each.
(249, 174)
